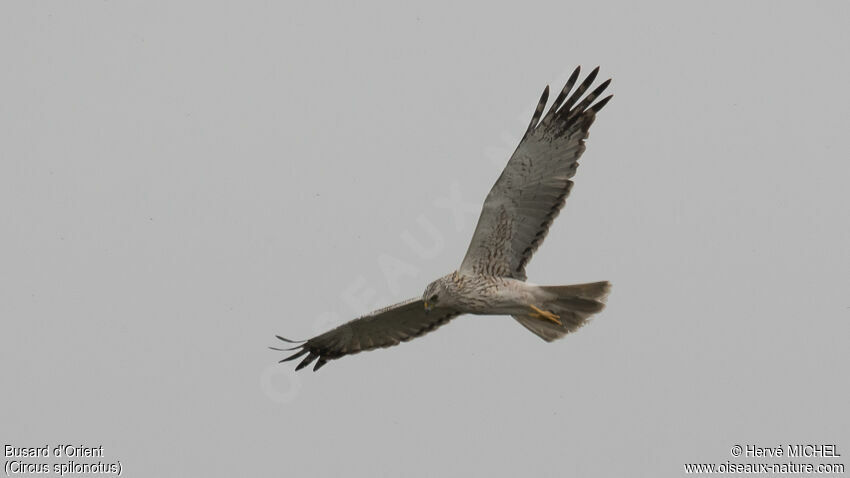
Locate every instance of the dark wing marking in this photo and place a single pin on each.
(382, 328)
(535, 183)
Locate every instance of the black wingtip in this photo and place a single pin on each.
(591, 77)
(294, 356)
(290, 341)
(541, 105)
(598, 106)
(285, 350)
(588, 100)
(562, 95)
(307, 361)
(538, 112)
(321, 362)
(567, 110)
(571, 81)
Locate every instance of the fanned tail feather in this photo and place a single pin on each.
(574, 304)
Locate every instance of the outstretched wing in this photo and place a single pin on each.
(535, 184)
(382, 328)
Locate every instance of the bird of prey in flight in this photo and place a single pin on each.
(514, 221)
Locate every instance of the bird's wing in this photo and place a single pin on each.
(383, 328)
(535, 184)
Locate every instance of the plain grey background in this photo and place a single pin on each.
(181, 180)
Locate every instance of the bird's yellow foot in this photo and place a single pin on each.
(545, 314)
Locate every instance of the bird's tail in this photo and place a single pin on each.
(574, 304)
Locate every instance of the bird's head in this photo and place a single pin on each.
(435, 293)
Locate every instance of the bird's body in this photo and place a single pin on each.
(480, 294)
(514, 220)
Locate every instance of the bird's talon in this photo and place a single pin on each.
(545, 314)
